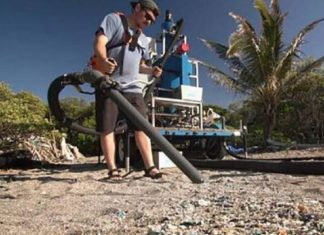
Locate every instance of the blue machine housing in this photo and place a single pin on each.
(176, 72)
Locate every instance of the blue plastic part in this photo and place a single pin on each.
(168, 26)
(171, 74)
(198, 133)
(186, 70)
(177, 71)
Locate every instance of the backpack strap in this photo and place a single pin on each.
(94, 63)
(126, 36)
(127, 39)
(132, 40)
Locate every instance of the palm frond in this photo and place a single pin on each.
(225, 80)
(244, 33)
(271, 38)
(243, 43)
(303, 70)
(285, 62)
(274, 4)
(263, 10)
(233, 62)
(216, 47)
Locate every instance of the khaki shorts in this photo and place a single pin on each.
(107, 112)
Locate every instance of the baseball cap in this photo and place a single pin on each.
(148, 4)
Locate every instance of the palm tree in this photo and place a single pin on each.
(261, 64)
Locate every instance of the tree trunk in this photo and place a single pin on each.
(269, 122)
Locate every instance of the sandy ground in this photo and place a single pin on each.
(76, 198)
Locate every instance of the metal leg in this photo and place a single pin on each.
(99, 150)
(127, 151)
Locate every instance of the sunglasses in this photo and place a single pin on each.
(148, 17)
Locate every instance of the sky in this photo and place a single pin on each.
(43, 39)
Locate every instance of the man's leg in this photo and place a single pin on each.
(142, 141)
(108, 149)
(144, 145)
(106, 117)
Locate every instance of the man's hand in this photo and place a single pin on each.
(156, 71)
(109, 65)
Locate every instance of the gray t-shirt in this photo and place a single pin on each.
(113, 28)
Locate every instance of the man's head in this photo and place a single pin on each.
(146, 12)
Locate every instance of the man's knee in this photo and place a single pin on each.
(142, 137)
(107, 136)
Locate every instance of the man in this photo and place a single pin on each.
(124, 61)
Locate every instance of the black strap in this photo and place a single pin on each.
(126, 36)
(132, 40)
(134, 43)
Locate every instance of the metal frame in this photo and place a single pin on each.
(176, 102)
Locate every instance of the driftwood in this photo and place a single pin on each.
(41, 150)
(68, 151)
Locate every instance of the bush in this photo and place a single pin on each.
(21, 115)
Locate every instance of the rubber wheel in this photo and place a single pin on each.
(206, 148)
(215, 148)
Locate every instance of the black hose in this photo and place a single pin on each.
(303, 166)
(139, 121)
(55, 89)
(108, 87)
(286, 167)
(162, 61)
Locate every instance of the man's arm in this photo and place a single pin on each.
(106, 65)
